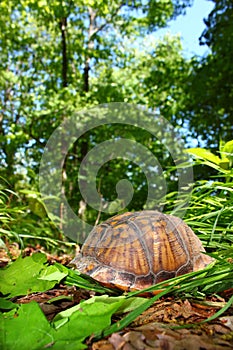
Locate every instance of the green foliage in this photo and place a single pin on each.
(24, 218)
(29, 321)
(210, 210)
(33, 279)
(73, 326)
(68, 329)
(210, 86)
(60, 57)
(224, 162)
(7, 214)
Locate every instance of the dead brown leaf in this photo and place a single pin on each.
(157, 328)
(117, 341)
(102, 345)
(156, 336)
(227, 321)
(176, 311)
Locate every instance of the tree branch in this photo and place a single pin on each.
(92, 31)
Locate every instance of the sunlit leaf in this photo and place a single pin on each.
(28, 275)
(204, 154)
(25, 328)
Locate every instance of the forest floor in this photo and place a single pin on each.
(170, 323)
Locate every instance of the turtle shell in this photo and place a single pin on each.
(133, 251)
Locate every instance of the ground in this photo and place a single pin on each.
(170, 323)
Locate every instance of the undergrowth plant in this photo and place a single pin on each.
(210, 209)
(24, 220)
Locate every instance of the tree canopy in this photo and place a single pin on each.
(211, 83)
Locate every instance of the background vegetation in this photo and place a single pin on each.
(59, 57)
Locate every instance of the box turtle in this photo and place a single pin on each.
(133, 251)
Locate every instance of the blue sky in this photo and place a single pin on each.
(190, 27)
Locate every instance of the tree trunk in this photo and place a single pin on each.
(90, 45)
(63, 27)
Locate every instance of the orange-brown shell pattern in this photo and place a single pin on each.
(133, 251)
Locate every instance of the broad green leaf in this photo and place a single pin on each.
(37, 207)
(131, 304)
(36, 204)
(125, 321)
(228, 147)
(24, 276)
(95, 300)
(68, 329)
(6, 304)
(66, 332)
(204, 154)
(90, 317)
(52, 273)
(228, 151)
(124, 304)
(25, 328)
(224, 164)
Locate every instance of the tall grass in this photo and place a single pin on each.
(210, 210)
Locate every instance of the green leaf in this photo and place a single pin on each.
(68, 331)
(79, 322)
(51, 273)
(25, 328)
(204, 154)
(228, 151)
(98, 299)
(28, 275)
(131, 304)
(224, 164)
(124, 305)
(6, 304)
(228, 147)
(37, 207)
(125, 321)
